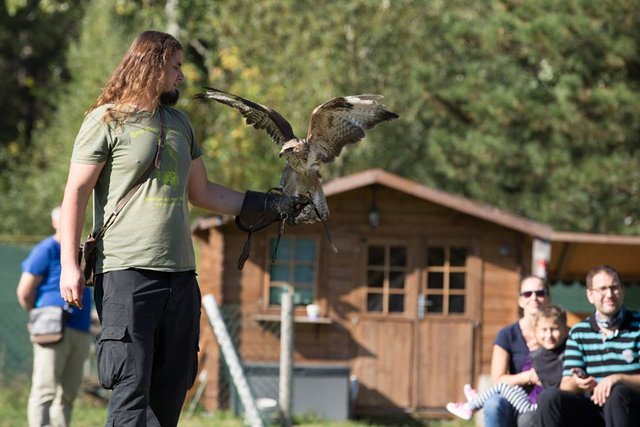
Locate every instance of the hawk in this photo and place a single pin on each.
(333, 125)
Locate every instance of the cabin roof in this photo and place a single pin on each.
(604, 239)
(488, 213)
(407, 186)
(461, 204)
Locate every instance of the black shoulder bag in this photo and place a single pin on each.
(87, 255)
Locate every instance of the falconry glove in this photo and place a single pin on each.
(260, 210)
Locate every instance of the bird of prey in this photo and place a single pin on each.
(334, 124)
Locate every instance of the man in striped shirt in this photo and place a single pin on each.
(601, 376)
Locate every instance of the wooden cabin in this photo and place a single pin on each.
(411, 303)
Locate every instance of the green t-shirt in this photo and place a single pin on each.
(153, 230)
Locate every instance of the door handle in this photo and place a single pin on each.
(422, 303)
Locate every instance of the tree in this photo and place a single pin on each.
(527, 105)
(32, 61)
(38, 184)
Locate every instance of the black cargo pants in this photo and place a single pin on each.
(147, 350)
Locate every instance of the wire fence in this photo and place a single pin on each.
(16, 356)
(15, 348)
(252, 354)
(258, 357)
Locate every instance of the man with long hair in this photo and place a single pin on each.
(146, 292)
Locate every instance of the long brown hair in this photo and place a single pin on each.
(140, 72)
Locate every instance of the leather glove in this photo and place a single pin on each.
(260, 210)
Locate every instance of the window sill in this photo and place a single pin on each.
(297, 319)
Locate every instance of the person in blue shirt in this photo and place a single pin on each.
(601, 374)
(57, 368)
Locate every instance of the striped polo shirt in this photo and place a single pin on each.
(601, 356)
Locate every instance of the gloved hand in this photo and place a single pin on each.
(260, 210)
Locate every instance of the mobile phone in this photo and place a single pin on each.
(579, 372)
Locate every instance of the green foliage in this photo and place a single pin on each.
(289, 55)
(13, 403)
(32, 62)
(91, 57)
(527, 105)
(38, 184)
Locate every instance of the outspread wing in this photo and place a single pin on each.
(341, 121)
(257, 115)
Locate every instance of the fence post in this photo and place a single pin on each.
(286, 355)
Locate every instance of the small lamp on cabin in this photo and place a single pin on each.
(374, 216)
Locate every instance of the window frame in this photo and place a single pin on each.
(386, 290)
(446, 269)
(268, 283)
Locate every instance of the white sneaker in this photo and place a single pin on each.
(460, 409)
(469, 392)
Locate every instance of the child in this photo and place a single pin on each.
(551, 334)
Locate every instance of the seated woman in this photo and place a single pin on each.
(551, 334)
(510, 361)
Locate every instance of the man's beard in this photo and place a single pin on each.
(169, 98)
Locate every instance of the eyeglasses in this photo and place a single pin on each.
(615, 289)
(539, 294)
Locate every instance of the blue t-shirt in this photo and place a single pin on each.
(510, 339)
(44, 261)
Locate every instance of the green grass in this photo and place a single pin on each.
(90, 411)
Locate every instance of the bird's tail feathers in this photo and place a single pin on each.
(320, 202)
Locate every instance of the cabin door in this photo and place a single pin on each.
(446, 323)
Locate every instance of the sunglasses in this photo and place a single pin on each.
(527, 294)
